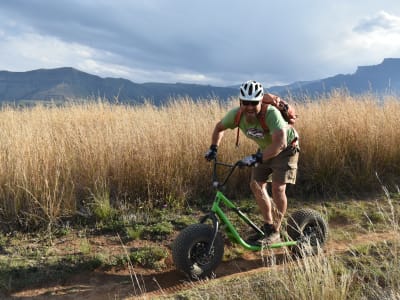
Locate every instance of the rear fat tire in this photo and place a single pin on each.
(309, 229)
(190, 251)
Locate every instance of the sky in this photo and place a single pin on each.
(216, 42)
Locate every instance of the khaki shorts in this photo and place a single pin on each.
(282, 168)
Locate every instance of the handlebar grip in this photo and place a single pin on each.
(241, 164)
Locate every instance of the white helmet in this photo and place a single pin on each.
(251, 91)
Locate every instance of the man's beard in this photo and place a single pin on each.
(250, 119)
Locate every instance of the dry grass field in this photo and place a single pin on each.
(57, 160)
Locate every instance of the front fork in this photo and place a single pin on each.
(215, 223)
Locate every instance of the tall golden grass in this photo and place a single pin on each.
(53, 159)
(346, 141)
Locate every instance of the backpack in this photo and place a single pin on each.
(287, 111)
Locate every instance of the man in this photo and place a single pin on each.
(277, 156)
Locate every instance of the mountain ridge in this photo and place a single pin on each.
(66, 83)
(61, 84)
(380, 79)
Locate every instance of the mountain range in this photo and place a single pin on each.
(68, 83)
(380, 79)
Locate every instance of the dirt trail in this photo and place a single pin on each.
(145, 284)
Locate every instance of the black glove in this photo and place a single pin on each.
(258, 157)
(252, 160)
(211, 153)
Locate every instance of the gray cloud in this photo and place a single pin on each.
(382, 20)
(178, 40)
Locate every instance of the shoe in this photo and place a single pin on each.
(272, 238)
(255, 238)
(268, 237)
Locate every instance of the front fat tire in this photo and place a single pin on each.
(190, 251)
(309, 229)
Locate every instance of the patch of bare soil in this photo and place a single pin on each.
(130, 283)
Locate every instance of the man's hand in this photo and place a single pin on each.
(248, 161)
(211, 153)
(252, 160)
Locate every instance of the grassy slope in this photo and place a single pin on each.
(51, 259)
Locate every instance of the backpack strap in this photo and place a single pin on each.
(238, 116)
(261, 117)
(236, 122)
(237, 137)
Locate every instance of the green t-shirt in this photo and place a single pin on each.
(255, 132)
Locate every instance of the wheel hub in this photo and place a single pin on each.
(201, 254)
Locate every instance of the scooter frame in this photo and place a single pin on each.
(219, 218)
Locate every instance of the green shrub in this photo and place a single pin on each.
(150, 257)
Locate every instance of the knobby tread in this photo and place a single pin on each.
(297, 224)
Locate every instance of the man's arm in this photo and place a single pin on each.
(216, 138)
(278, 144)
(217, 134)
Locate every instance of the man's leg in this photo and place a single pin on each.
(264, 203)
(280, 201)
(263, 200)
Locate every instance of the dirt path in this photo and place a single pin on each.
(145, 284)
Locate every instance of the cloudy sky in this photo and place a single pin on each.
(217, 42)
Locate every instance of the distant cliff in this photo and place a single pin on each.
(378, 79)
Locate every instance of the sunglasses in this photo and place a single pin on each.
(252, 103)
